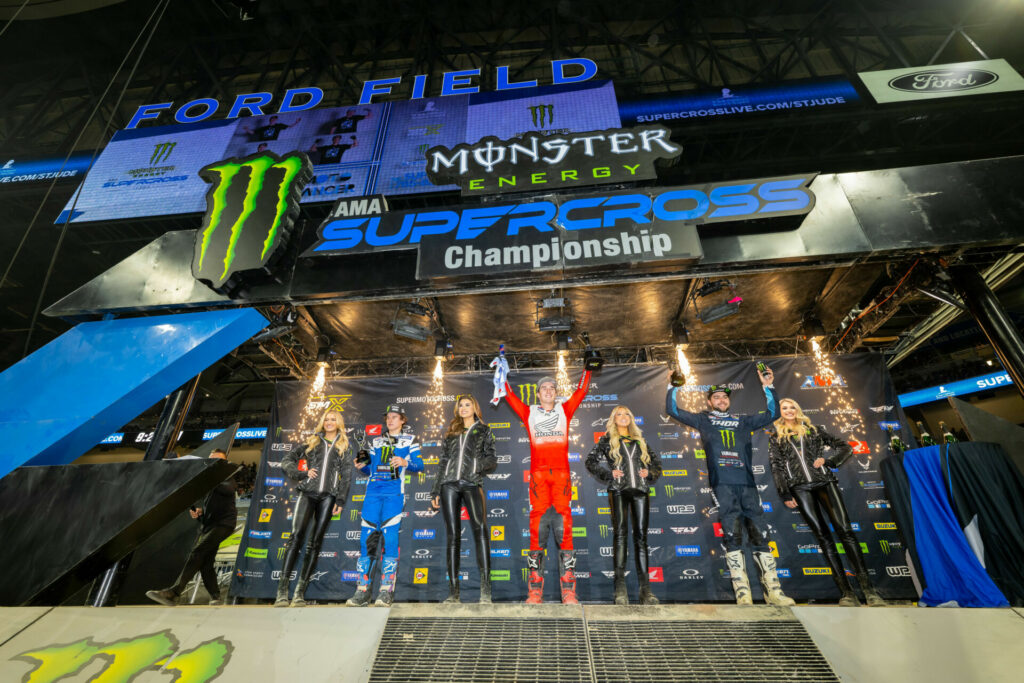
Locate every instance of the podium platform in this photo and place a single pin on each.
(510, 642)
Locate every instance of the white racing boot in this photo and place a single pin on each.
(773, 594)
(738, 571)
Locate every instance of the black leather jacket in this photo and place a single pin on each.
(790, 469)
(333, 479)
(600, 464)
(467, 457)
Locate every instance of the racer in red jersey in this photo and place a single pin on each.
(547, 426)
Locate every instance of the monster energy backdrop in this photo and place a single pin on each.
(853, 396)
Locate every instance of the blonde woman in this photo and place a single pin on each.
(323, 487)
(805, 480)
(468, 456)
(623, 460)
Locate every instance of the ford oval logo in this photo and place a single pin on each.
(943, 80)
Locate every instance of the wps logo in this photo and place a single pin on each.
(251, 208)
(728, 438)
(899, 571)
(681, 509)
(542, 114)
(162, 152)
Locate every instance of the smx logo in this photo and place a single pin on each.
(538, 112)
(162, 152)
(251, 207)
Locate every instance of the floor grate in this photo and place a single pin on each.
(419, 649)
(705, 651)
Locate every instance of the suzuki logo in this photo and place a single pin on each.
(162, 152)
(539, 111)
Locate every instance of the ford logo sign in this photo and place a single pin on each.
(943, 80)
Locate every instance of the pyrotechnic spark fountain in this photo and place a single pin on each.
(434, 416)
(838, 402)
(565, 387)
(691, 396)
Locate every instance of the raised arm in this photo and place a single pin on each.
(762, 420)
(517, 406)
(686, 417)
(577, 396)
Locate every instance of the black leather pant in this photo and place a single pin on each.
(819, 505)
(453, 496)
(627, 505)
(306, 507)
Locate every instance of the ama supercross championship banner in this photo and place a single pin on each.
(854, 398)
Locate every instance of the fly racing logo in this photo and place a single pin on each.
(251, 207)
(728, 438)
(542, 115)
(162, 152)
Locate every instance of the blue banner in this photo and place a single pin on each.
(740, 100)
(958, 388)
(33, 170)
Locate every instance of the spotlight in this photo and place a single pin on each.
(726, 307)
(724, 310)
(554, 314)
(412, 321)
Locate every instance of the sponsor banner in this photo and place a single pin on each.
(960, 387)
(689, 539)
(943, 80)
(549, 162)
(741, 100)
(19, 170)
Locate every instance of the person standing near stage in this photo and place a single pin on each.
(547, 426)
(217, 516)
(624, 462)
(806, 482)
(386, 463)
(323, 488)
(468, 456)
(727, 447)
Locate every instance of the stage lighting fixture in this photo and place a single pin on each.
(729, 306)
(591, 357)
(443, 349)
(719, 311)
(554, 314)
(323, 349)
(412, 321)
(562, 341)
(811, 327)
(680, 335)
(281, 324)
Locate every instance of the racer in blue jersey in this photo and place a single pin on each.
(386, 462)
(728, 450)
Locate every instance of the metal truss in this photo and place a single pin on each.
(646, 48)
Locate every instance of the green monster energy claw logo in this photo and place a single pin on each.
(603, 529)
(539, 111)
(250, 211)
(670, 490)
(126, 659)
(728, 438)
(528, 393)
(162, 152)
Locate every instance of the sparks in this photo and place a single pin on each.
(321, 377)
(438, 370)
(562, 376)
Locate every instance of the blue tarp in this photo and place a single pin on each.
(950, 566)
(69, 395)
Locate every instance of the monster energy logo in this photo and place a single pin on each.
(539, 111)
(728, 438)
(126, 659)
(281, 551)
(250, 210)
(528, 393)
(885, 547)
(353, 515)
(603, 528)
(421, 150)
(670, 490)
(421, 477)
(162, 152)
(386, 452)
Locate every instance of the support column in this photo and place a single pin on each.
(991, 317)
(106, 587)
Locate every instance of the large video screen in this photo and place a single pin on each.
(357, 150)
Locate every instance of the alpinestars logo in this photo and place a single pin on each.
(538, 112)
(250, 212)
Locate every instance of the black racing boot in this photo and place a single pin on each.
(282, 590)
(483, 563)
(621, 596)
(361, 598)
(871, 596)
(453, 592)
(299, 599)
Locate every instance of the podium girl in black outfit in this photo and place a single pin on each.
(323, 487)
(805, 481)
(623, 460)
(468, 456)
